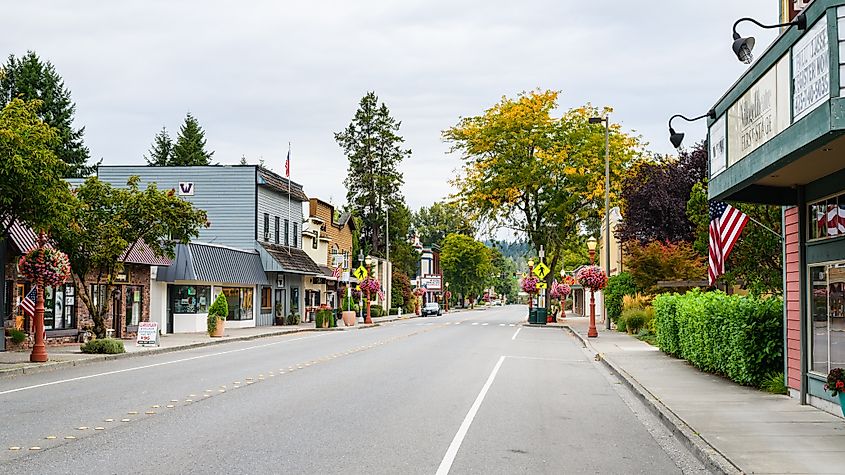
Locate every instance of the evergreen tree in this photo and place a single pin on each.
(161, 153)
(29, 78)
(374, 148)
(190, 145)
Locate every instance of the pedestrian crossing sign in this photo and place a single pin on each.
(361, 273)
(541, 271)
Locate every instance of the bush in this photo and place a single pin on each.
(635, 320)
(393, 311)
(292, 319)
(774, 383)
(349, 303)
(620, 324)
(740, 337)
(324, 316)
(635, 302)
(376, 311)
(618, 286)
(104, 346)
(219, 309)
(18, 336)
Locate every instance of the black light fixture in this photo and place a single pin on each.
(677, 137)
(742, 46)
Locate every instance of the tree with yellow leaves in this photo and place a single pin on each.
(539, 175)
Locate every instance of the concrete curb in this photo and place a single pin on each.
(57, 365)
(706, 453)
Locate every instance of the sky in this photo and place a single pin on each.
(260, 74)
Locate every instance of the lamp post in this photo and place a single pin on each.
(530, 271)
(592, 332)
(677, 137)
(447, 297)
(563, 301)
(606, 120)
(742, 46)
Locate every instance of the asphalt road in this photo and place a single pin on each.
(470, 392)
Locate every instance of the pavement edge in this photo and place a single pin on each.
(702, 449)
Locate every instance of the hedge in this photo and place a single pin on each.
(618, 286)
(740, 337)
(108, 346)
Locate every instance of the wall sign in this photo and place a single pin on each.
(280, 280)
(761, 113)
(432, 282)
(810, 70)
(186, 188)
(718, 141)
(147, 334)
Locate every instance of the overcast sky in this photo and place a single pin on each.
(258, 74)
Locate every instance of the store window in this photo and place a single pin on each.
(191, 298)
(826, 218)
(828, 317)
(240, 302)
(134, 306)
(266, 299)
(60, 307)
(294, 300)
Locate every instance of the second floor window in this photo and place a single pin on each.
(295, 232)
(314, 240)
(287, 233)
(277, 230)
(266, 227)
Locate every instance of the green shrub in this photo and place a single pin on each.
(18, 336)
(618, 286)
(634, 319)
(104, 346)
(620, 324)
(324, 316)
(376, 311)
(393, 311)
(348, 303)
(292, 319)
(219, 309)
(740, 337)
(774, 383)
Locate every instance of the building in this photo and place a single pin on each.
(251, 252)
(778, 137)
(616, 253)
(429, 275)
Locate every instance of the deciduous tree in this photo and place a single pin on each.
(466, 265)
(433, 223)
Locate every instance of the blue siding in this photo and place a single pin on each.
(276, 204)
(226, 193)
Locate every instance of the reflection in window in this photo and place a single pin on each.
(239, 300)
(828, 317)
(191, 298)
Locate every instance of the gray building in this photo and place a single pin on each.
(251, 251)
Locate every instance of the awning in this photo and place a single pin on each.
(291, 260)
(214, 263)
(23, 237)
(141, 253)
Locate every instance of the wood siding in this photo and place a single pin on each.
(792, 298)
(276, 204)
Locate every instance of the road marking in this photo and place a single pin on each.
(501, 324)
(484, 324)
(516, 333)
(449, 458)
(155, 365)
(512, 325)
(475, 323)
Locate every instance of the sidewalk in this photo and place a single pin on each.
(730, 427)
(17, 362)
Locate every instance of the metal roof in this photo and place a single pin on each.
(214, 263)
(142, 254)
(291, 259)
(23, 237)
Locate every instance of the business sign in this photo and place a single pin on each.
(717, 144)
(789, 9)
(432, 282)
(761, 113)
(280, 280)
(147, 334)
(810, 70)
(186, 188)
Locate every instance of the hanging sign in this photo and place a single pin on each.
(147, 334)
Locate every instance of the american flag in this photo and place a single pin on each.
(726, 223)
(28, 303)
(833, 220)
(336, 272)
(287, 164)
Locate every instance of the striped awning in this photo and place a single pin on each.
(215, 264)
(23, 237)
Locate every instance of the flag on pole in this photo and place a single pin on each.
(336, 272)
(287, 164)
(726, 223)
(28, 303)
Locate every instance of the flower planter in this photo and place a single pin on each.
(842, 403)
(349, 317)
(221, 324)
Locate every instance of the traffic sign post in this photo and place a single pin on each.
(361, 273)
(541, 271)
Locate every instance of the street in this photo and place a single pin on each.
(468, 392)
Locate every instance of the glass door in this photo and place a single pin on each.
(133, 307)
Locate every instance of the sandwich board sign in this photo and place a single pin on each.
(147, 334)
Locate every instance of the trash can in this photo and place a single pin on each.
(532, 315)
(541, 316)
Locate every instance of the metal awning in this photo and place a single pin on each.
(290, 260)
(214, 263)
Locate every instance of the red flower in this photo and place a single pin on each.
(840, 385)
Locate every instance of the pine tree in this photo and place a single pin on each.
(374, 148)
(190, 145)
(161, 153)
(29, 78)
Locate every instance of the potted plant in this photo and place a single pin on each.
(216, 320)
(418, 293)
(323, 318)
(349, 310)
(280, 313)
(836, 385)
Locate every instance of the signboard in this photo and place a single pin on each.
(789, 9)
(542, 285)
(147, 334)
(761, 113)
(541, 270)
(718, 147)
(810, 70)
(280, 280)
(432, 282)
(361, 273)
(186, 188)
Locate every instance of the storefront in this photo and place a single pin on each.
(291, 274)
(779, 138)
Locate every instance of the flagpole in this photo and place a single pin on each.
(289, 216)
(758, 223)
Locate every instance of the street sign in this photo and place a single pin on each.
(541, 285)
(361, 273)
(541, 271)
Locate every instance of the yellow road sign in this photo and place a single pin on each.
(541, 271)
(541, 285)
(361, 273)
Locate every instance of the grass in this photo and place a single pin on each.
(774, 383)
(647, 337)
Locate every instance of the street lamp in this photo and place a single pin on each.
(606, 120)
(447, 297)
(677, 137)
(530, 271)
(592, 332)
(563, 302)
(742, 46)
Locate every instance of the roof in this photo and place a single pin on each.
(292, 259)
(276, 182)
(23, 237)
(142, 254)
(344, 218)
(214, 263)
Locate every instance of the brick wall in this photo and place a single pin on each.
(792, 298)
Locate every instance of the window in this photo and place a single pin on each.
(191, 298)
(346, 259)
(277, 230)
(240, 302)
(97, 293)
(315, 240)
(828, 317)
(134, 305)
(295, 233)
(266, 299)
(60, 307)
(294, 300)
(287, 233)
(826, 218)
(266, 227)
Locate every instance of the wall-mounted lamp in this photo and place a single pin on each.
(677, 137)
(742, 46)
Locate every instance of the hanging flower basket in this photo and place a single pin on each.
(370, 285)
(561, 291)
(45, 266)
(529, 285)
(419, 291)
(592, 277)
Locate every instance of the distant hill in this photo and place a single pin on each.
(516, 250)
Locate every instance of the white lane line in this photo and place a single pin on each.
(484, 324)
(501, 324)
(107, 373)
(512, 325)
(475, 323)
(458, 323)
(449, 458)
(516, 333)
